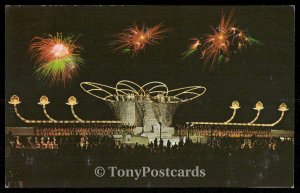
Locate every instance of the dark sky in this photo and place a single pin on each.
(264, 73)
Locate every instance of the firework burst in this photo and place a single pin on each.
(218, 46)
(55, 58)
(134, 39)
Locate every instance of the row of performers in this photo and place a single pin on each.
(45, 143)
(81, 131)
(85, 125)
(51, 143)
(42, 143)
(233, 133)
(147, 97)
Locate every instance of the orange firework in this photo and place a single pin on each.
(217, 47)
(218, 44)
(195, 44)
(192, 47)
(134, 39)
(226, 25)
(43, 50)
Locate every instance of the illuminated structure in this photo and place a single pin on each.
(149, 107)
(14, 100)
(259, 106)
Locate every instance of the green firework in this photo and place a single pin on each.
(188, 53)
(253, 41)
(59, 69)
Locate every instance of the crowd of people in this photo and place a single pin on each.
(227, 162)
(180, 130)
(142, 97)
(34, 142)
(99, 130)
(53, 137)
(66, 156)
(208, 131)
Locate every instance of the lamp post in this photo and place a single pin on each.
(160, 130)
(188, 127)
(211, 136)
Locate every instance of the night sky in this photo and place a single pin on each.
(264, 73)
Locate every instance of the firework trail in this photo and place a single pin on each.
(134, 39)
(55, 58)
(218, 46)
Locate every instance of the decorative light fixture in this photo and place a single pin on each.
(71, 102)
(235, 105)
(259, 106)
(45, 101)
(14, 100)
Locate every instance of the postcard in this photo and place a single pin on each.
(149, 96)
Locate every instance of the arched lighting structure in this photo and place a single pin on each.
(143, 105)
(125, 88)
(155, 88)
(188, 93)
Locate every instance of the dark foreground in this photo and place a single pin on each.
(262, 162)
